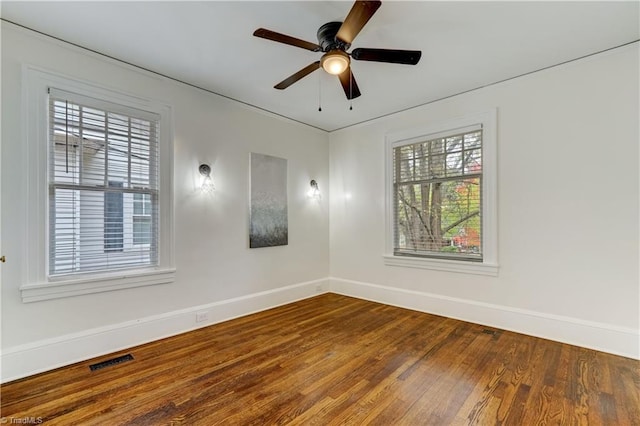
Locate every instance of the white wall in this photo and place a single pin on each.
(213, 261)
(567, 202)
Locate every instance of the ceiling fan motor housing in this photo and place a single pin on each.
(327, 37)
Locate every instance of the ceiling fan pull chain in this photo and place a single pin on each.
(350, 90)
(319, 92)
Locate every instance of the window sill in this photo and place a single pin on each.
(443, 265)
(95, 284)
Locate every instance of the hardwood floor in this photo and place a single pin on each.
(338, 360)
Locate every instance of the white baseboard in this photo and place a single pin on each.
(594, 335)
(25, 360)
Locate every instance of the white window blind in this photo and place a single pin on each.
(103, 185)
(437, 190)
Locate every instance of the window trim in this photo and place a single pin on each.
(38, 285)
(489, 264)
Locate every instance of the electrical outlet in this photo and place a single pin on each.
(202, 316)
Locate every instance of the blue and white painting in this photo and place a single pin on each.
(268, 223)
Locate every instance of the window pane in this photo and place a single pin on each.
(406, 170)
(454, 164)
(436, 166)
(141, 204)
(113, 219)
(141, 230)
(138, 207)
(437, 147)
(454, 143)
(440, 217)
(65, 226)
(473, 161)
(473, 140)
(147, 204)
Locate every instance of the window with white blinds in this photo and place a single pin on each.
(437, 196)
(103, 185)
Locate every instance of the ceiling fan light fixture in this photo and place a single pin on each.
(335, 62)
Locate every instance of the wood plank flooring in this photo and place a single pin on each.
(337, 360)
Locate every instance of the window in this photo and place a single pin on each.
(99, 202)
(441, 196)
(101, 154)
(437, 190)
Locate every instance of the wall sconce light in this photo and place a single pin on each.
(314, 192)
(207, 182)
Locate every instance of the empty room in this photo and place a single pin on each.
(331, 212)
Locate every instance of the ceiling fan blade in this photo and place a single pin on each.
(297, 76)
(408, 57)
(349, 84)
(358, 16)
(283, 38)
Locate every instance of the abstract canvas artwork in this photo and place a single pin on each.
(268, 223)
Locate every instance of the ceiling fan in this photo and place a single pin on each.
(334, 39)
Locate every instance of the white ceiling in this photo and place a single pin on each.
(209, 44)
